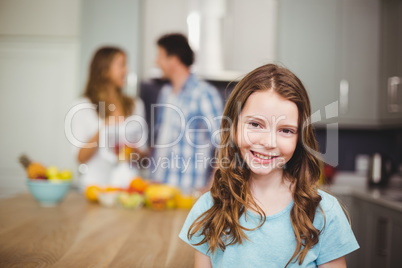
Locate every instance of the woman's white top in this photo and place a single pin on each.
(106, 168)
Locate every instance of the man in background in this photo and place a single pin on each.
(187, 120)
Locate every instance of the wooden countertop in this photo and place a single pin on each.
(78, 233)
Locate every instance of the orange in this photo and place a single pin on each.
(111, 189)
(184, 201)
(36, 170)
(127, 152)
(138, 184)
(91, 192)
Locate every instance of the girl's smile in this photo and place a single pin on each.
(263, 158)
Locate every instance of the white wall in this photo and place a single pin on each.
(245, 31)
(39, 17)
(106, 22)
(160, 17)
(39, 47)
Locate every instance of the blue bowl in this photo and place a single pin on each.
(48, 193)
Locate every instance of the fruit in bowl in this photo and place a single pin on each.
(37, 171)
(34, 170)
(48, 193)
(47, 185)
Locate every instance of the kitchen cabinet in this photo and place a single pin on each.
(396, 243)
(391, 63)
(362, 223)
(306, 45)
(378, 230)
(359, 59)
(357, 213)
(385, 247)
(334, 48)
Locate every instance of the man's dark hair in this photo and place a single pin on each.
(177, 44)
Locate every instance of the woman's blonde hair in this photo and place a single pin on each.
(230, 190)
(99, 82)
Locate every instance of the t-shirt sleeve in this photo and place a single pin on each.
(203, 204)
(82, 124)
(337, 238)
(135, 130)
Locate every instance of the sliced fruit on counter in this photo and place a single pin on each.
(154, 195)
(130, 200)
(161, 196)
(108, 199)
(92, 191)
(111, 189)
(138, 185)
(184, 201)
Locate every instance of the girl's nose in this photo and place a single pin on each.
(268, 140)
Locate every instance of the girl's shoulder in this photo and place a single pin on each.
(330, 207)
(336, 235)
(327, 200)
(203, 203)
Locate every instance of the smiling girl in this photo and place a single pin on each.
(264, 209)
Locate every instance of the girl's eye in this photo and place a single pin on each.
(254, 124)
(287, 131)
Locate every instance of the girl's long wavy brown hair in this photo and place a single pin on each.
(219, 226)
(99, 82)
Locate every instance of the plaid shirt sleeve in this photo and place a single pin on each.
(158, 111)
(211, 106)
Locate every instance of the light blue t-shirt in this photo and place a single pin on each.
(273, 244)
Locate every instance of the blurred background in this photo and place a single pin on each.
(347, 53)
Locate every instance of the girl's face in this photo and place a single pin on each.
(267, 132)
(118, 70)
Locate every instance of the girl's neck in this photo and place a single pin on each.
(272, 193)
(270, 182)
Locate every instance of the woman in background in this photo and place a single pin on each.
(103, 124)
